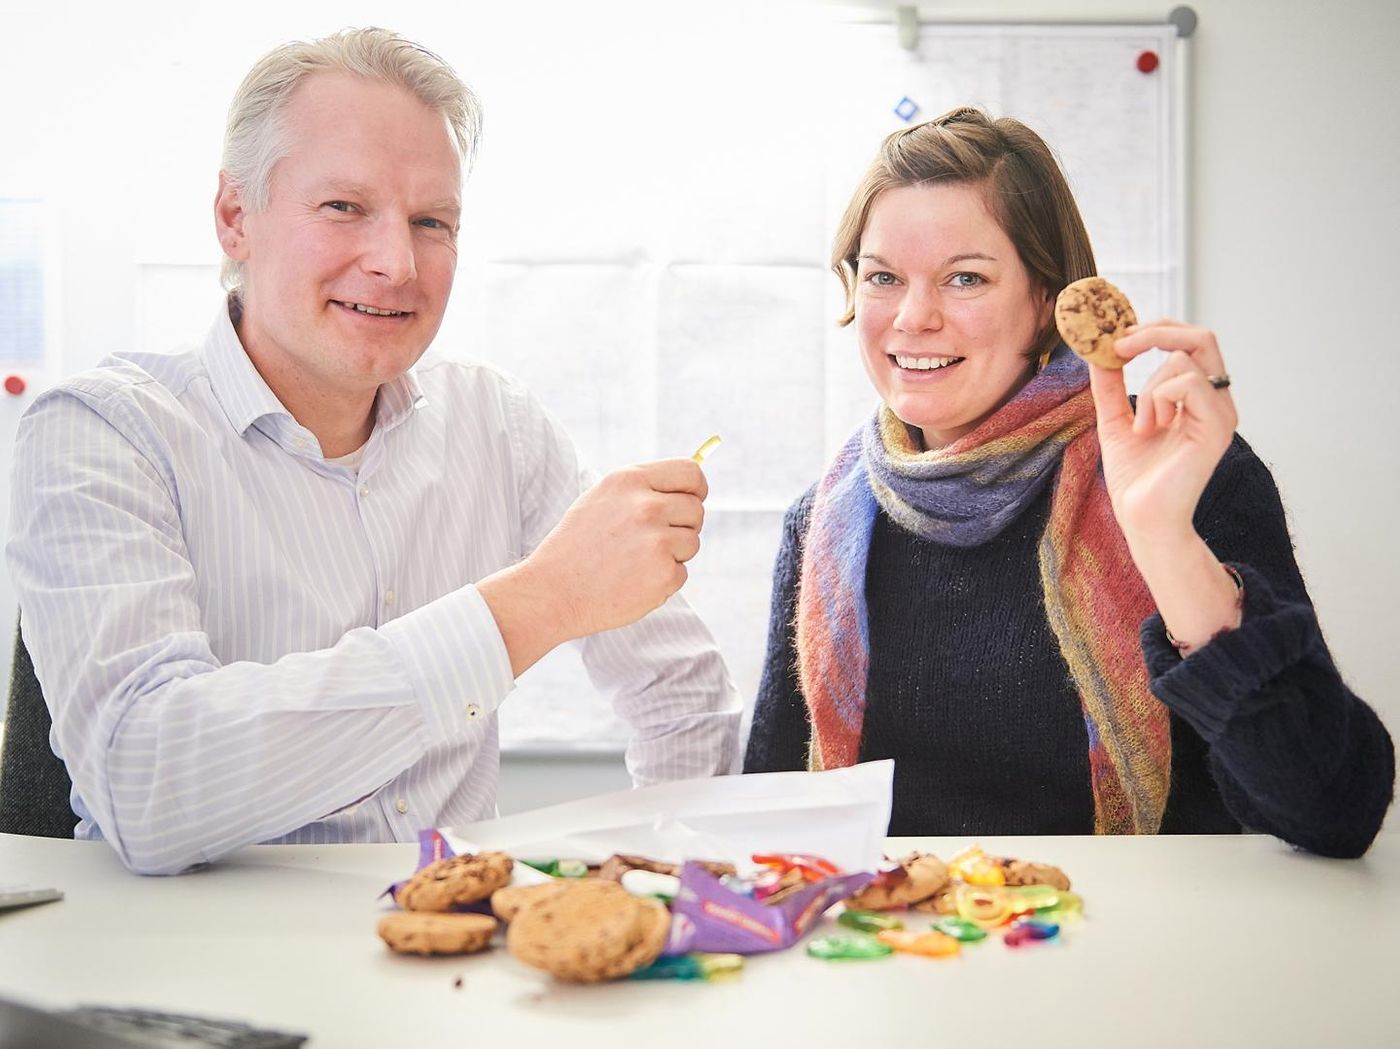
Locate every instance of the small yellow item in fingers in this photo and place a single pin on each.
(705, 449)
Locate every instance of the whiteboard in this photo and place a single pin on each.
(1119, 133)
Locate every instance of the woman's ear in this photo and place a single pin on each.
(229, 214)
(1045, 311)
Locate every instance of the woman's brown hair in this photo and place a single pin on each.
(1025, 191)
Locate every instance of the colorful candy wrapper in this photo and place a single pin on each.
(711, 918)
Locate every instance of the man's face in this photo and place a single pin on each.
(362, 215)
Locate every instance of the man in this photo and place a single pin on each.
(276, 588)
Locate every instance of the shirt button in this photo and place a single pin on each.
(401, 805)
(364, 490)
(388, 597)
(473, 711)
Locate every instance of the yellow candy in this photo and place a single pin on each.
(1068, 905)
(986, 905)
(929, 944)
(705, 449)
(1027, 898)
(973, 866)
(984, 874)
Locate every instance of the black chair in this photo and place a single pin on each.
(34, 784)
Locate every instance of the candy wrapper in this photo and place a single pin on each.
(707, 916)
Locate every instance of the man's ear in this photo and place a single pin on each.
(229, 215)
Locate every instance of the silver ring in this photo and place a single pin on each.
(1218, 382)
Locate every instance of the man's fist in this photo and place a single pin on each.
(617, 553)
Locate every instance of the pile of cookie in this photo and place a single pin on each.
(430, 921)
(582, 929)
(633, 916)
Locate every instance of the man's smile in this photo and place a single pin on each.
(371, 311)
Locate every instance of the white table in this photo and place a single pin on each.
(1187, 941)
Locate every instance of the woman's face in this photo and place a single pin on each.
(945, 312)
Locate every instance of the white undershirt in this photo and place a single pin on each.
(351, 461)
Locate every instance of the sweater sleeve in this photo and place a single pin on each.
(1294, 752)
(779, 737)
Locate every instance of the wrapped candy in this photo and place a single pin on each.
(868, 921)
(842, 947)
(929, 944)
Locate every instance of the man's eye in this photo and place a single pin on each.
(339, 205)
(431, 223)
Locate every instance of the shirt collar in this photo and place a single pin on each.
(245, 397)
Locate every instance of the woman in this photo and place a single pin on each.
(1057, 614)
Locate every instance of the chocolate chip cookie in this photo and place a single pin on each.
(587, 936)
(917, 877)
(1020, 872)
(450, 883)
(418, 932)
(511, 900)
(1091, 315)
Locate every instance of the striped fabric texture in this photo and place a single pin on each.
(242, 642)
(963, 495)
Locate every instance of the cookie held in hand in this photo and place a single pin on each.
(1091, 315)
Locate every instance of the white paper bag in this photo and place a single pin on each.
(841, 815)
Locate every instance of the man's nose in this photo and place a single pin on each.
(919, 311)
(389, 252)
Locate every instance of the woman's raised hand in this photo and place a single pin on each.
(1157, 462)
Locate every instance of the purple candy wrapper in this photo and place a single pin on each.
(708, 917)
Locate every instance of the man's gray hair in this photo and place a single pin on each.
(256, 138)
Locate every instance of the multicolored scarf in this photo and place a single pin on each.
(964, 495)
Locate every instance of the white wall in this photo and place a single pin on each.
(1295, 153)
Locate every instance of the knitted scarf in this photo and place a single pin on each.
(964, 495)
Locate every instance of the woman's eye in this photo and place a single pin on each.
(880, 278)
(968, 280)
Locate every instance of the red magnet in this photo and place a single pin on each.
(14, 384)
(1148, 62)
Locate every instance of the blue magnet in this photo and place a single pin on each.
(906, 109)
